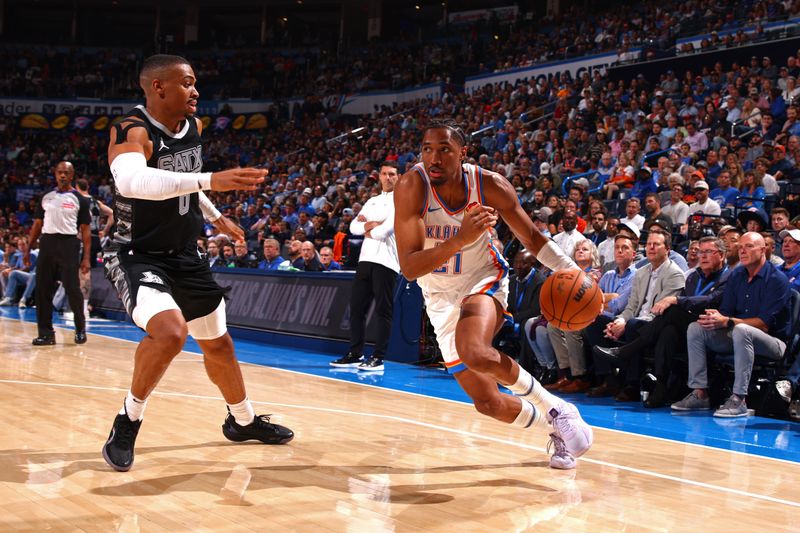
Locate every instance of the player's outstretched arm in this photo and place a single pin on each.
(499, 194)
(409, 230)
(134, 179)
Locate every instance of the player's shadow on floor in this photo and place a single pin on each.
(345, 479)
(16, 463)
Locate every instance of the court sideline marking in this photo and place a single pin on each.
(460, 432)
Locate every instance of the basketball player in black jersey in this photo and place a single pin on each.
(155, 156)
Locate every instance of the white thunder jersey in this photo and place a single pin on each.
(476, 269)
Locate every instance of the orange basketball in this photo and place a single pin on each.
(570, 299)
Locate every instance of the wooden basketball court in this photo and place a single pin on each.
(364, 459)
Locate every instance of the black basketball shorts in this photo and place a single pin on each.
(186, 277)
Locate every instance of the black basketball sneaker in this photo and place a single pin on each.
(373, 364)
(45, 340)
(349, 360)
(259, 429)
(118, 450)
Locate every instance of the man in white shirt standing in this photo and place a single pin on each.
(704, 204)
(376, 274)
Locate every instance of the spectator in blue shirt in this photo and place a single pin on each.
(724, 194)
(752, 317)
(752, 193)
(272, 255)
(250, 218)
(616, 284)
(291, 216)
(790, 251)
(304, 205)
(780, 167)
(19, 273)
(644, 184)
(326, 258)
(666, 333)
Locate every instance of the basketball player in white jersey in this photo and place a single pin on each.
(443, 211)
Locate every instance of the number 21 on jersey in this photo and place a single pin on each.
(451, 266)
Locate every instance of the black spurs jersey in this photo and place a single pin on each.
(160, 226)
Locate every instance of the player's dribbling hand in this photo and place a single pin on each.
(476, 221)
(238, 179)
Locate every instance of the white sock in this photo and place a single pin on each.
(134, 407)
(529, 416)
(243, 412)
(527, 387)
(524, 384)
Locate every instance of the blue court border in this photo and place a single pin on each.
(758, 436)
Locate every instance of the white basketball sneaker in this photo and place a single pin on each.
(570, 427)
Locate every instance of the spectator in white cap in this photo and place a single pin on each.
(304, 203)
(704, 204)
(540, 218)
(347, 216)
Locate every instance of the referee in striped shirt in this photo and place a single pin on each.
(62, 219)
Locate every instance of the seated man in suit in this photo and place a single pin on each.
(752, 319)
(666, 333)
(523, 304)
(652, 283)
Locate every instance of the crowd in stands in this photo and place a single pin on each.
(446, 53)
(68, 72)
(711, 153)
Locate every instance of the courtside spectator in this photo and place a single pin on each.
(272, 255)
(326, 258)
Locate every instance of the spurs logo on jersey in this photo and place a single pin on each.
(478, 260)
(184, 161)
(149, 277)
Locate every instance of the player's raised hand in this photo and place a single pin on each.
(477, 219)
(238, 179)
